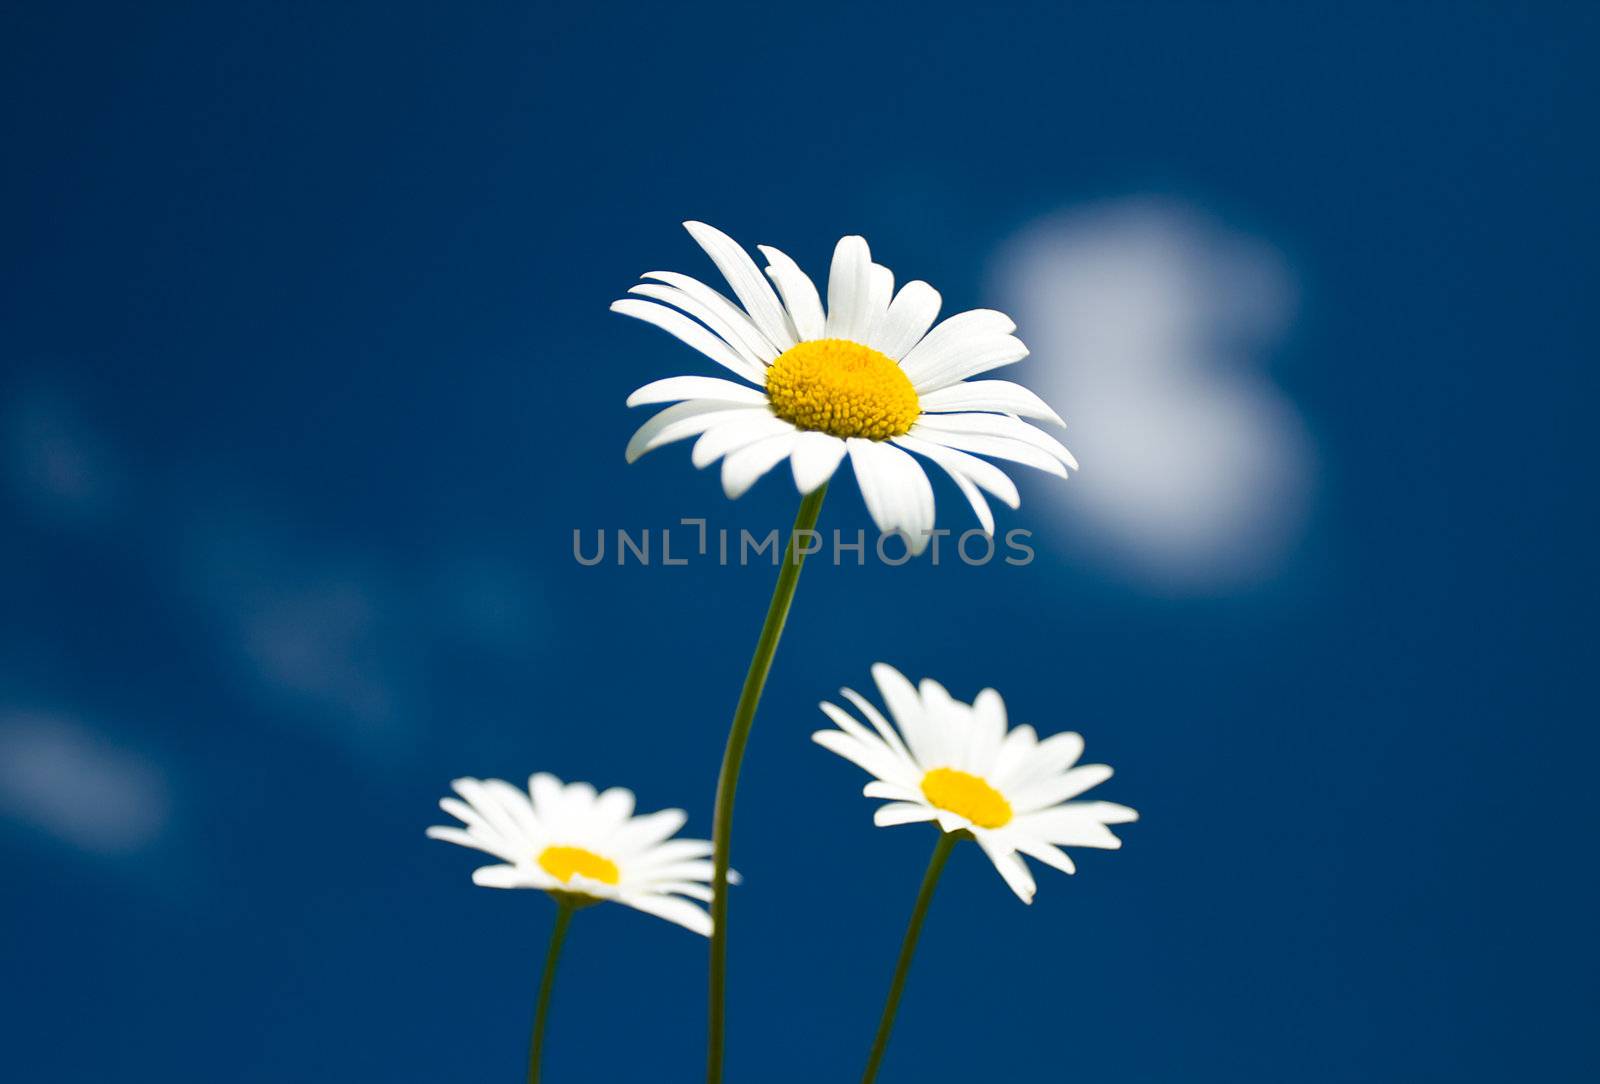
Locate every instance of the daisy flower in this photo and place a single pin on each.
(865, 378)
(581, 847)
(958, 765)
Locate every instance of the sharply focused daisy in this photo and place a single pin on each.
(865, 378)
(581, 848)
(957, 765)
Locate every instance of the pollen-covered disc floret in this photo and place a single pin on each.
(842, 388)
(581, 847)
(565, 863)
(873, 375)
(958, 765)
(965, 795)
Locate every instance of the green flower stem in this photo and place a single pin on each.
(557, 937)
(941, 853)
(728, 781)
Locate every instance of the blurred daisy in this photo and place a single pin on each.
(581, 847)
(866, 378)
(958, 765)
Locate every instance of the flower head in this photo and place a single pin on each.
(867, 379)
(958, 765)
(581, 847)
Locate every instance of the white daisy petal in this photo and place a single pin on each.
(888, 733)
(910, 314)
(748, 284)
(674, 388)
(905, 704)
(1059, 752)
(515, 801)
(953, 336)
(816, 456)
(1000, 425)
(865, 757)
(892, 792)
(614, 805)
(1106, 812)
(849, 287)
(545, 790)
(1059, 788)
(673, 909)
(682, 421)
(888, 762)
(984, 474)
(694, 891)
(734, 433)
(880, 291)
(463, 812)
(1047, 853)
(954, 366)
(1018, 746)
(896, 490)
(1012, 869)
(500, 877)
(841, 719)
(989, 728)
(579, 799)
(740, 325)
(998, 395)
(463, 838)
(800, 295)
(651, 828)
(489, 808)
(940, 455)
(742, 469)
(1069, 827)
(755, 361)
(894, 813)
(674, 850)
(999, 447)
(698, 870)
(690, 334)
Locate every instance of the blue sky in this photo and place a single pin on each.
(306, 378)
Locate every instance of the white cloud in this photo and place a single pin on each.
(69, 781)
(57, 461)
(342, 641)
(322, 637)
(1149, 325)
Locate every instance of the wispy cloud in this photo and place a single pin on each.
(341, 640)
(56, 460)
(1151, 325)
(70, 781)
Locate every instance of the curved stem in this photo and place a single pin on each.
(738, 735)
(557, 936)
(941, 852)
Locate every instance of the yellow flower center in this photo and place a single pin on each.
(565, 863)
(843, 388)
(967, 796)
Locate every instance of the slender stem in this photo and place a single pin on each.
(941, 852)
(557, 936)
(728, 781)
